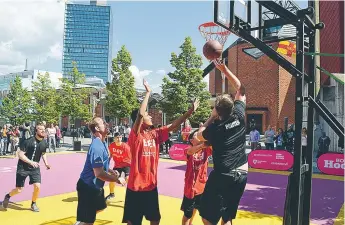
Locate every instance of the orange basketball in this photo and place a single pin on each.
(212, 50)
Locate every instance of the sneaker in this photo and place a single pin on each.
(34, 207)
(5, 202)
(110, 196)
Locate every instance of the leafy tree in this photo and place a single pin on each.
(72, 96)
(46, 100)
(16, 106)
(121, 97)
(185, 84)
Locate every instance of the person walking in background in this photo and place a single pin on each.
(279, 139)
(323, 143)
(269, 138)
(304, 144)
(51, 137)
(127, 131)
(3, 143)
(58, 136)
(254, 138)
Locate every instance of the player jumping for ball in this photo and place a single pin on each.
(30, 152)
(142, 194)
(121, 154)
(225, 131)
(195, 178)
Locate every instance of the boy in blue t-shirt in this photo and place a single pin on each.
(95, 172)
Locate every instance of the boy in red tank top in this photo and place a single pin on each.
(121, 154)
(195, 178)
(142, 194)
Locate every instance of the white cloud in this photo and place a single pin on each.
(139, 75)
(30, 30)
(161, 72)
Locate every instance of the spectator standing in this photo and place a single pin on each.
(254, 138)
(269, 138)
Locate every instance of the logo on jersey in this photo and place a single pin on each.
(232, 125)
(149, 147)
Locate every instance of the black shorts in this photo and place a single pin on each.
(34, 174)
(139, 204)
(188, 205)
(90, 200)
(222, 196)
(124, 170)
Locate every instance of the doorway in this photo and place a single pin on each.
(254, 120)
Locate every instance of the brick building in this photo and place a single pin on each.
(270, 89)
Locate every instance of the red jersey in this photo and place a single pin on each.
(121, 154)
(196, 173)
(145, 154)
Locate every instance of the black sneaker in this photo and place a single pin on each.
(110, 196)
(5, 202)
(34, 207)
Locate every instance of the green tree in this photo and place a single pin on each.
(16, 106)
(121, 97)
(46, 101)
(73, 97)
(185, 84)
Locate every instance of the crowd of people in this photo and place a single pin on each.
(284, 140)
(12, 136)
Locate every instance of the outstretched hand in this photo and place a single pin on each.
(146, 85)
(196, 103)
(220, 65)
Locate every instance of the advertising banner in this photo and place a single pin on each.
(177, 152)
(331, 164)
(270, 159)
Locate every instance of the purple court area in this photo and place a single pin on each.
(265, 193)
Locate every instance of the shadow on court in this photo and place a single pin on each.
(72, 220)
(15, 206)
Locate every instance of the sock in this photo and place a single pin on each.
(112, 193)
(33, 203)
(8, 196)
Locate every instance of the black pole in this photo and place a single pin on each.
(310, 136)
(297, 177)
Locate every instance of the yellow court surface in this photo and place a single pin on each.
(61, 210)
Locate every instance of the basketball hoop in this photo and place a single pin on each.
(211, 31)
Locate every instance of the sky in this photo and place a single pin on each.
(151, 31)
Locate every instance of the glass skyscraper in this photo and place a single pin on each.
(87, 40)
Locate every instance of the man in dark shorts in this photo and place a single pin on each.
(121, 154)
(142, 193)
(96, 171)
(225, 131)
(30, 153)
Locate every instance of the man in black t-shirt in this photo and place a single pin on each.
(225, 130)
(30, 153)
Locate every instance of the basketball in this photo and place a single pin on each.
(212, 50)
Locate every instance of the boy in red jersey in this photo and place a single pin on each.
(121, 154)
(195, 178)
(142, 194)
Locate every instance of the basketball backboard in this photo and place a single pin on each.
(249, 15)
(226, 11)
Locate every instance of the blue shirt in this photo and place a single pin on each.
(97, 156)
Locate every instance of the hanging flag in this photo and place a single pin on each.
(287, 48)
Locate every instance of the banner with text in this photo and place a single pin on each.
(331, 164)
(177, 152)
(270, 159)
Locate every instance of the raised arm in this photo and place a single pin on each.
(139, 120)
(176, 123)
(234, 81)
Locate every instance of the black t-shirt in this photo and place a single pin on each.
(33, 149)
(228, 140)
